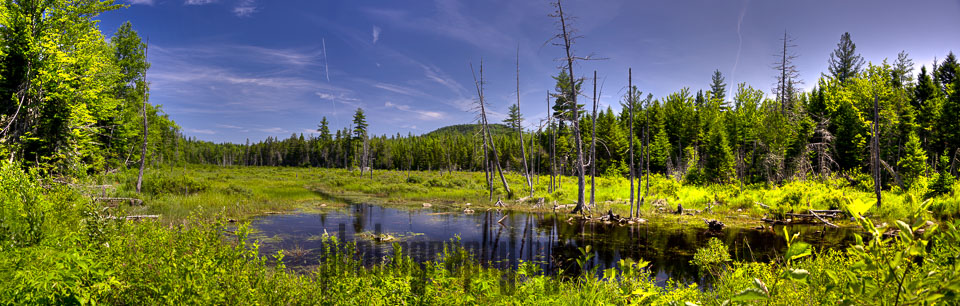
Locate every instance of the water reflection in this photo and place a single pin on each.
(502, 239)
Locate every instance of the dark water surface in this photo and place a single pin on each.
(546, 238)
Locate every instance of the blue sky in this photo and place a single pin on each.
(229, 70)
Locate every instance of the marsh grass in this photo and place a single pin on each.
(241, 192)
(74, 254)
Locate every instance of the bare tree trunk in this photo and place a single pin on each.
(630, 106)
(593, 145)
(646, 145)
(578, 142)
(143, 149)
(783, 77)
(553, 146)
(483, 118)
(875, 148)
(523, 151)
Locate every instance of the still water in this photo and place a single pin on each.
(546, 238)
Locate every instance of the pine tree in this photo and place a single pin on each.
(718, 165)
(513, 117)
(324, 129)
(948, 71)
(902, 70)
(914, 161)
(718, 89)
(845, 63)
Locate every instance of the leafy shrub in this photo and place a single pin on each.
(941, 185)
(665, 188)
(413, 179)
(712, 258)
(23, 207)
(162, 183)
(238, 190)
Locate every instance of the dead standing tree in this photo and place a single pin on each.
(143, 109)
(789, 77)
(519, 123)
(567, 36)
(593, 145)
(630, 104)
(487, 136)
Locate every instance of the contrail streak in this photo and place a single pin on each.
(327, 67)
(733, 74)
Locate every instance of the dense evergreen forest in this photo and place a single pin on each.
(702, 136)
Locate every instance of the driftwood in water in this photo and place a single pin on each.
(137, 217)
(132, 201)
(539, 204)
(714, 225)
(815, 215)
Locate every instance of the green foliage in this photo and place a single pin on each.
(943, 184)
(161, 183)
(914, 161)
(23, 207)
(713, 258)
(718, 167)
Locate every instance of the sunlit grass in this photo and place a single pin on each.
(240, 192)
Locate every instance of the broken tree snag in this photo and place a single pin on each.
(137, 217)
(896, 177)
(500, 203)
(115, 201)
(815, 215)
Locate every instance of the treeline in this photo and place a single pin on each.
(703, 137)
(73, 101)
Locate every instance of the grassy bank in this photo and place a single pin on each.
(239, 192)
(59, 247)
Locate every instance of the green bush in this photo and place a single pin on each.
(161, 183)
(23, 207)
(413, 179)
(941, 185)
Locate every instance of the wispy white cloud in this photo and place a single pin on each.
(376, 34)
(274, 130)
(207, 84)
(245, 8)
(144, 2)
(435, 74)
(198, 2)
(227, 126)
(403, 90)
(422, 114)
(450, 21)
(201, 131)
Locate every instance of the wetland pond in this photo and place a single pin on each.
(545, 238)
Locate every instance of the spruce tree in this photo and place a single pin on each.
(844, 62)
(948, 70)
(914, 161)
(718, 166)
(513, 117)
(718, 89)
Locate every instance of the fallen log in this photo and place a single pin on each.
(822, 220)
(133, 201)
(827, 211)
(810, 216)
(136, 217)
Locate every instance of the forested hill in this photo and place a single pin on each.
(496, 129)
